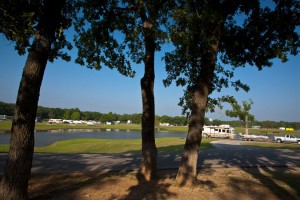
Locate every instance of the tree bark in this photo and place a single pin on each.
(187, 172)
(17, 171)
(246, 125)
(149, 151)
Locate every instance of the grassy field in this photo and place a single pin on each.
(164, 145)
(6, 126)
(274, 145)
(269, 132)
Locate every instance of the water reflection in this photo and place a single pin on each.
(43, 138)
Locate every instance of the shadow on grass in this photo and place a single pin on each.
(267, 167)
(78, 186)
(153, 189)
(66, 186)
(273, 169)
(281, 181)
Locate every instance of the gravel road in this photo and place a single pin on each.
(227, 153)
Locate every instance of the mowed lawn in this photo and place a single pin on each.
(274, 145)
(112, 146)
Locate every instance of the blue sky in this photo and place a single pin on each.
(274, 91)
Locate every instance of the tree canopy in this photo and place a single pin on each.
(247, 33)
(19, 23)
(240, 111)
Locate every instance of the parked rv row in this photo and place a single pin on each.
(225, 131)
(90, 122)
(65, 121)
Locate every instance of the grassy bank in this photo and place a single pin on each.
(292, 146)
(268, 132)
(164, 145)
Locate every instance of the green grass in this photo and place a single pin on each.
(164, 145)
(5, 125)
(269, 132)
(174, 128)
(274, 145)
(4, 148)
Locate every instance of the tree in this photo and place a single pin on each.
(6, 108)
(20, 21)
(241, 112)
(76, 115)
(236, 32)
(67, 114)
(141, 23)
(143, 35)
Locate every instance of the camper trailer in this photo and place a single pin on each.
(55, 121)
(222, 131)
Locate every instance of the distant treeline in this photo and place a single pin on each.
(45, 113)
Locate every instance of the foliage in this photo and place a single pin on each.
(7, 108)
(246, 33)
(238, 111)
(96, 39)
(19, 22)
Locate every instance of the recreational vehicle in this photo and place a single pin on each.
(55, 121)
(222, 131)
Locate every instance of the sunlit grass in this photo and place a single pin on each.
(267, 132)
(292, 146)
(164, 145)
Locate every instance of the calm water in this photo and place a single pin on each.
(47, 137)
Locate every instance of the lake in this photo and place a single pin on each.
(43, 138)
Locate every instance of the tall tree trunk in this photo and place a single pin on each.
(187, 172)
(17, 171)
(149, 151)
(246, 125)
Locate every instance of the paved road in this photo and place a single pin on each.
(226, 154)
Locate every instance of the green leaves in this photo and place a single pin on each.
(98, 41)
(17, 19)
(239, 111)
(19, 23)
(237, 32)
(267, 33)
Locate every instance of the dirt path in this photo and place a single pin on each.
(213, 184)
(226, 154)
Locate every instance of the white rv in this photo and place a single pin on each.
(222, 131)
(55, 121)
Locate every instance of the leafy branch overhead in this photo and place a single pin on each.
(96, 37)
(246, 33)
(19, 23)
(111, 32)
